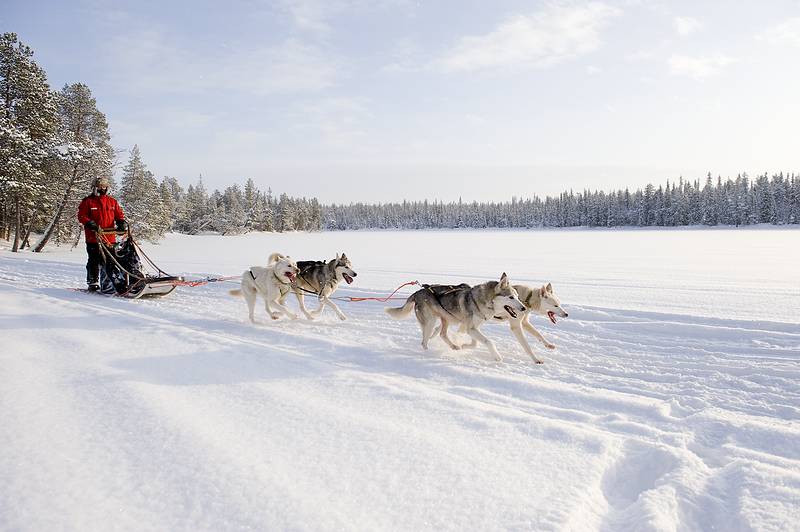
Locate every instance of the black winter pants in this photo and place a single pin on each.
(94, 263)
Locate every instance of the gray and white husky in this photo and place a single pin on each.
(541, 301)
(461, 305)
(272, 282)
(321, 279)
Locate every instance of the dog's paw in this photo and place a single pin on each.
(274, 315)
(549, 346)
(293, 316)
(537, 361)
(455, 347)
(342, 317)
(309, 317)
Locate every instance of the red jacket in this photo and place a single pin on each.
(102, 209)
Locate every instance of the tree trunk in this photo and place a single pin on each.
(15, 247)
(77, 240)
(5, 225)
(26, 233)
(57, 217)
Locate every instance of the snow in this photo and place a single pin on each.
(671, 403)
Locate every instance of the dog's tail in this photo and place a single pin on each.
(399, 313)
(237, 292)
(275, 257)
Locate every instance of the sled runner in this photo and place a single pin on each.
(123, 273)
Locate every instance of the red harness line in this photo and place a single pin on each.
(381, 299)
(204, 281)
(350, 299)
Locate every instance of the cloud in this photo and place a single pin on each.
(309, 15)
(552, 35)
(404, 56)
(314, 16)
(149, 61)
(333, 122)
(686, 25)
(785, 33)
(698, 67)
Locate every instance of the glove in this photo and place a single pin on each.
(121, 225)
(91, 225)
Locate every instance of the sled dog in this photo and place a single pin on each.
(321, 278)
(462, 305)
(272, 282)
(541, 301)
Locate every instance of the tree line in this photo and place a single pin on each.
(741, 201)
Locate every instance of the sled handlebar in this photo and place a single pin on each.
(111, 232)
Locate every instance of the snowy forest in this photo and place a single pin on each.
(53, 144)
(742, 201)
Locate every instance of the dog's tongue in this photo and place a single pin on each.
(510, 311)
(347, 278)
(290, 275)
(551, 315)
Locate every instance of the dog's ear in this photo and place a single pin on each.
(549, 288)
(504, 280)
(337, 256)
(343, 257)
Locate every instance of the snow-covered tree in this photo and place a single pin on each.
(28, 121)
(233, 213)
(83, 153)
(286, 214)
(140, 198)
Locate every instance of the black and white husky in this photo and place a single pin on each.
(463, 306)
(321, 279)
(272, 282)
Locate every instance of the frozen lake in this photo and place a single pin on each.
(671, 403)
(733, 273)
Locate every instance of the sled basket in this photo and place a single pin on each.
(124, 273)
(153, 287)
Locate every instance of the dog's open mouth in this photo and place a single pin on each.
(347, 278)
(510, 311)
(291, 276)
(551, 315)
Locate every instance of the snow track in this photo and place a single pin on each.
(178, 414)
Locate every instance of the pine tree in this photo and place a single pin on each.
(84, 154)
(763, 202)
(168, 205)
(285, 214)
(235, 217)
(251, 204)
(198, 214)
(265, 213)
(28, 121)
(141, 199)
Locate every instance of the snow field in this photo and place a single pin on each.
(652, 414)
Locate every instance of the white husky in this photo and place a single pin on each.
(273, 283)
(541, 301)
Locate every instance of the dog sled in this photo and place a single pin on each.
(124, 274)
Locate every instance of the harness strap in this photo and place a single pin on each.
(437, 297)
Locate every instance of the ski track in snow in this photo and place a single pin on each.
(199, 420)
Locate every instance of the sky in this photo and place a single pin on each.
(384, 100)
